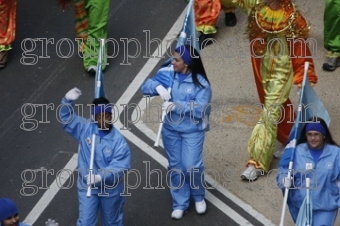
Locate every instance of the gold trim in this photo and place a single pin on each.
(291, 20)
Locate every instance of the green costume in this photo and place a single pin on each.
(91, 17)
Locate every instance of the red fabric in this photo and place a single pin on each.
(7, 21)
(64, 3)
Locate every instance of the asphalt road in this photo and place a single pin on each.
(33, 146)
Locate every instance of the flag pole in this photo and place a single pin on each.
(181, 41)
(296, 125)
(97, 94)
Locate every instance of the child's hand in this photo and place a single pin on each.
(73, 94)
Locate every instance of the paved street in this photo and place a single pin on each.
(35, 148)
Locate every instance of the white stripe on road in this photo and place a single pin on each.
(50, 193)
(216, 202)
(125, 98)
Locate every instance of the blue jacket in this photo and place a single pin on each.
(20, 224)
(324, 176)
(186, 117)
(112, 153)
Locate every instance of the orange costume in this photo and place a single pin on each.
(7, 28)
(207, 11)
(206, 14)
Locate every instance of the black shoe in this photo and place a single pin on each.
(230, 19)
(3, 58)
(331, 64)
(92, 70)
(205, 40)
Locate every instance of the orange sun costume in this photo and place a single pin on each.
(278, 53)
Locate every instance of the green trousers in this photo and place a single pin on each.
(91, 25)
(332, 26)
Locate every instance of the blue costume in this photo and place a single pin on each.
(324, 175)
(8, 209)
(112, 159)
(183, 132)
(20, 224)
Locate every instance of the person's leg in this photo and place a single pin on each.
(111, 207)
(332, 34)
(192, 163)
(277, 77)
(88, 208)
(324, 218)
(7, 28)
(179, 189)
(81, 24)
(206, 15)
(229, 9)
(98, 13)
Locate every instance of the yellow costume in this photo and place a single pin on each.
(278, 61)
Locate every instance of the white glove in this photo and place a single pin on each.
(51, 223)
(73, 94)
(168, 106)
(163, 93)
(93, 179)
(287, 182)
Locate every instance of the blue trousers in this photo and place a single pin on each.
(324, 218)
(185, 171)
(111, 208)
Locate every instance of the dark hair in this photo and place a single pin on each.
(328, 137)
(196, 66)
(100, 100)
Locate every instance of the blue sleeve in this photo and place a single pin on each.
(338, 166)
(285, 158)
(71, 122)
(22, 224)
(163, 77)
(120, 163)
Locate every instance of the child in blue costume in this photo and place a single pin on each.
(112, 159)
(9, 214)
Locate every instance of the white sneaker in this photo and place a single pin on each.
(250, 174)
(177, 214)
(200, 207)
(92, 69)
(279, 152)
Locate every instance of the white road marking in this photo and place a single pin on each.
(125, 98)
(50, 193)
(216, 202)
